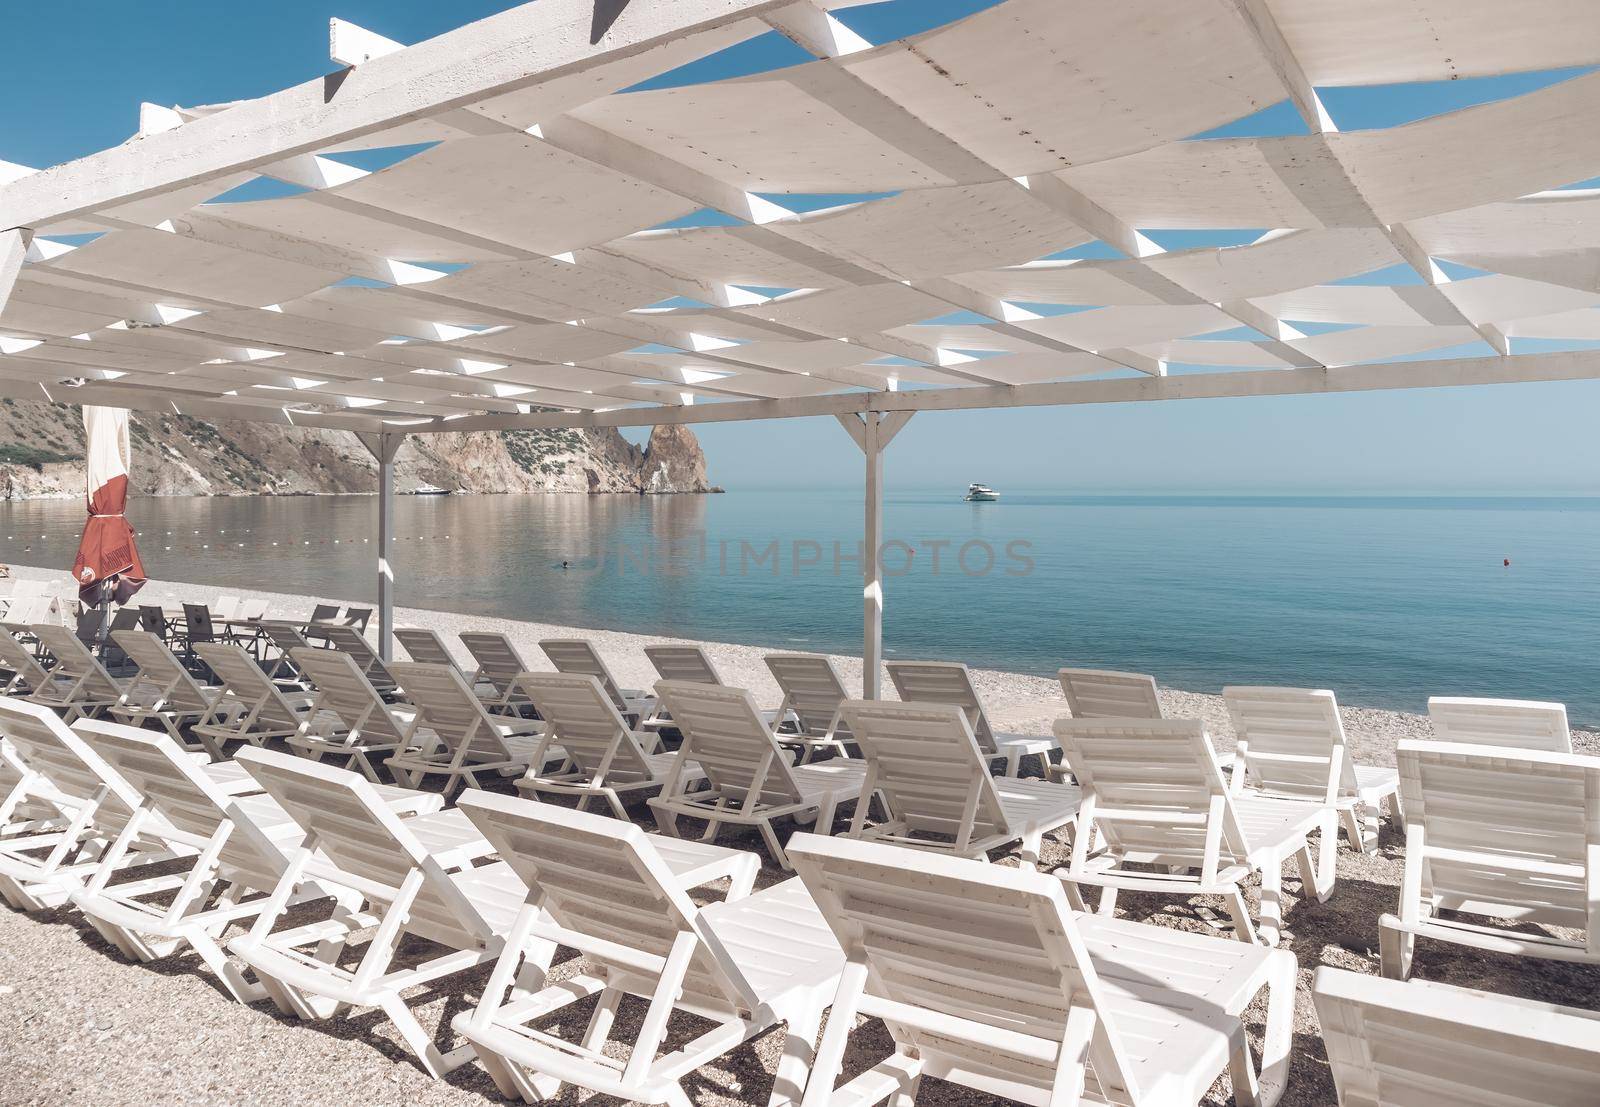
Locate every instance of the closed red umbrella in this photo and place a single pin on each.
(108, 564)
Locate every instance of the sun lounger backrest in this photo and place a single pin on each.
(345, 690)
(811, 689)
(1104, 694)
(49, 747)
(994, 950)
(324, 612)
(158, 667)
(1143, 773)
(424, 646)
(688, 663)
(575, 655)
(350, 641)
(1519, 826)
(182, 794)
(1288, 737)
(446, 706)
(498, 660)
(943, 682)
(19, 659)
(725, 733)
(74, 661)
(601, 878)
(243, 677)
(285, 636)
(349, 824)
(584, 722)
(1526, 724)
(927, 767)
(1419, 1042)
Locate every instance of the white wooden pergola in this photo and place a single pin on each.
(530, 256)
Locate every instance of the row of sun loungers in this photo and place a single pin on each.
(992, 977)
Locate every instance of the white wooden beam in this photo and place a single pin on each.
(520, 48)
(817, 31)
(1089, 215)
(351, 45)
(1275, 48)
(1444, 373)
(155, 119)
(13, 249)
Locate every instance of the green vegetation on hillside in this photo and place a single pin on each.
(33, 457)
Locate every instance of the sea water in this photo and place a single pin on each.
(1384, 600)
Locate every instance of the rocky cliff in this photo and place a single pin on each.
(41, 456)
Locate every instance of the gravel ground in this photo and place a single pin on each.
(78, 1024)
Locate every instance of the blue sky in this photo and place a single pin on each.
(76, 86)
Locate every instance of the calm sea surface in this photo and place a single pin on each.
(1384, 600)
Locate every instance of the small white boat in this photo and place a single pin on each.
(980, 493)
(430, 490)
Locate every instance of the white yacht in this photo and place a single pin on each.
(981, 493)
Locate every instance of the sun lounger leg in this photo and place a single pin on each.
(1028, 854)
(770, 836)
(1395, 948)
(1272, 901)
(1108, 901)
(829, 1061)
(1239, 912)
(1277, 1039)
(799, 1047)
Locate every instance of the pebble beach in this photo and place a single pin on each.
(79, 1024)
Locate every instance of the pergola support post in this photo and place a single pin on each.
(384, 447)
(873, 431)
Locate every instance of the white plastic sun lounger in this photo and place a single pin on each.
(618, 896)
(690, 664)
(348, 640)
(1520, 724)
(40, 871)
(924, 766)
(412, 877)
(1154, 794)
(576, 655)
(499, 665)
(984, 977)
(1107, 694)
(23, 809)
(166, 693)
(1291, 743)
(686, 663)
(81, 686)
(1427, 1043)
(1498, 834)
(268, 712)
(240, 846)
(28, 676)
(950, 682)
(425, 646)
(751, 780)
(606, 757)
(466, 740)
(812, 695)
(286, 637)
(367, 727)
